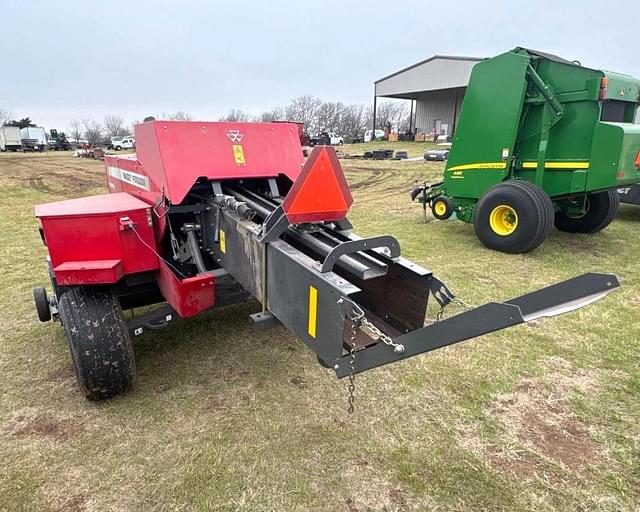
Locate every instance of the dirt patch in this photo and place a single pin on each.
(44, 426)
(71, 182)
(540, 429)
(75, 503)
(298, 382)
(524, 468)
(567, 442)
(52, 174)
(397, 498)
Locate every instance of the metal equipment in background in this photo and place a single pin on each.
(58, 141)
(630, 195)
(211, 214)
(540, 141)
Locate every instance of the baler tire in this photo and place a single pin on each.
(448, 207)
(99, 341)
(534, 216)
(603, 207)
(42, 303)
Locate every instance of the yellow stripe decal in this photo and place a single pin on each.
(313, 311)
(223, 245)
(481, 165)
(557, 165)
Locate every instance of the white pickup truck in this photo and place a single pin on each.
(119, 143)
(327, 139)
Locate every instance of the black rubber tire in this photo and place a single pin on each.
(532, 206)
(118, 148)
(42, 303)
(603, 207)
(98, 340)
(446, 201)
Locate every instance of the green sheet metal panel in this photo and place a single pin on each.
(615, 147)
(488, 124)
(569, 140)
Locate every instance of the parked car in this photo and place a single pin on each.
(327, 139)
(379, 135)
(125, 143)
(436, 155)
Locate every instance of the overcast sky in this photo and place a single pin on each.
(73, 59)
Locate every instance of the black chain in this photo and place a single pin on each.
(355, 322)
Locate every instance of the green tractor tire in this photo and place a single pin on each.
(513, 217)
(602, 208)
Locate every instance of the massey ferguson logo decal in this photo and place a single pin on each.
(235, 135)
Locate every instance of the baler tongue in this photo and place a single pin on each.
(547, 302)
(355, 301)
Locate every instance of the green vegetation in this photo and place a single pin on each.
(224, 417)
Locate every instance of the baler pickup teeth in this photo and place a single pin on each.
(550, 301)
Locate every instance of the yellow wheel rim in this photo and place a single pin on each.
(503, 220)
(440, 208)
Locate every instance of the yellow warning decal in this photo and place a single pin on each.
(481, 165)
(313, 311)
(557, 165)
(223, 245)
(238, 154)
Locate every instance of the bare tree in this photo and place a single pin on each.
(92, 131)
(328, 116)
(236, 115)
(75, 130)
(114, 126)
(353, 121)
(275, 114)
(179, 115)
(304, 109)
(391, 112)
(5, 115)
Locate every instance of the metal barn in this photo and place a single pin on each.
(435, 86)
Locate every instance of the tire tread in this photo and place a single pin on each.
(99, 341)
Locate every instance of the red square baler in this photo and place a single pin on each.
(210, 214)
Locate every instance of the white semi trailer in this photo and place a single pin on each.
(10, 139)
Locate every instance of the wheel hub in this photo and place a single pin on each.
(440, 208)
(503, 220)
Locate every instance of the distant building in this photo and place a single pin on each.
(436, 86)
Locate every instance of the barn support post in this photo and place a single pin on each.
(411, 118)
(375, 106)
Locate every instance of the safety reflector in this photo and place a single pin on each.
(637, 162)
(321, 192)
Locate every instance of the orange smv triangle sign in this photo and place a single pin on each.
(320, 193)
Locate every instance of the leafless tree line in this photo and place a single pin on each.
(318, 115)
(95, 132)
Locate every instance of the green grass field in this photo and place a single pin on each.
(224, 417)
